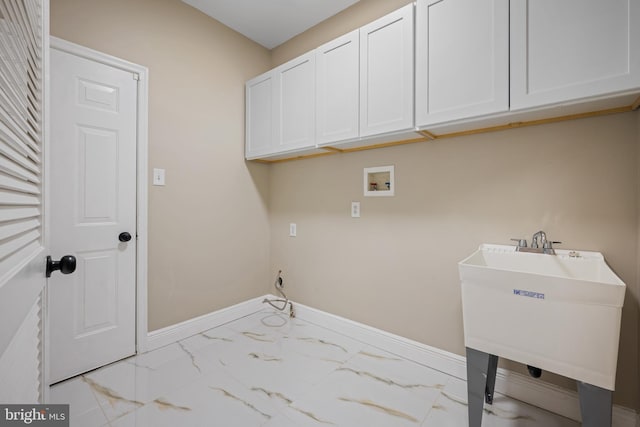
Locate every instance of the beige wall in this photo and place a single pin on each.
(354, 17)
(208, 227)
(395, 268)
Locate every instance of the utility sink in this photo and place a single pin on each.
(560, 313)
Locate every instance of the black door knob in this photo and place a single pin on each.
(124, 237)
(66, 265)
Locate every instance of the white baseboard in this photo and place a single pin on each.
(170, 334)
(534, 392)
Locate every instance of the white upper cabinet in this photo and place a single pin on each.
(281, 110)
(295, 101)
(386, 74)
(573, 49)
(477, 63)
(338, 90)
(259, 97)
(462, 59)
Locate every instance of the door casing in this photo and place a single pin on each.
(141, 182)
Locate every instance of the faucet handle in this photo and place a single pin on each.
(522, 243)
(549, 244)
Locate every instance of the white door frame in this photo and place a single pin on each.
(141, 186)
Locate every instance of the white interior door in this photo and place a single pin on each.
(93, 201)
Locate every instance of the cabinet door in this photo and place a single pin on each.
(462, 59)
(259, 136)
(572, 49)
(337, 90)
(386, 73)
(296, 103)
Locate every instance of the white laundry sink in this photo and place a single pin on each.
(560, 313)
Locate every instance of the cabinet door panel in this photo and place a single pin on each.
(259, 120)
(295, 88)
(337, 76)
(462, 59)
(386, 73)
(573, 49)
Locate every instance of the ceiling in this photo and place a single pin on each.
(270, 22)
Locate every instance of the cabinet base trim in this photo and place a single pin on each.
(514, 125)
(427, 136)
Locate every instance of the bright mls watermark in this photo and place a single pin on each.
(34, 415)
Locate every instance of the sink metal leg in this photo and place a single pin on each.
(492, 369)
(595, 405)
(481, 380)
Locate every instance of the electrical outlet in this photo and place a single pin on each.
(293, 230)
(355, 209)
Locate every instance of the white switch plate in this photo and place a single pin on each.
(158, 176)
(293, 230)
(355, 209)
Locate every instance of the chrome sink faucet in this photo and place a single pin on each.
(539, 244)
(543, 239)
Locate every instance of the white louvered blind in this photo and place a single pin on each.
(21, 109)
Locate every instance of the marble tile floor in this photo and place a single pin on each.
(271, 371)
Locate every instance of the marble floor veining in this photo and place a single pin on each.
(271, 371)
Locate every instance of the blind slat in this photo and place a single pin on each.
(13, 54)
(9, 213)
(15, 118)
(9, 263)
(8, 8)
(34, 17)
(12, 168)
(20, 160)
(16, 65)
(18, 199)
(7, 137)
(10, 183)
(9, 246)
(32, 31)
(18, 171)
(14, 229)
(8, 90)
(14, 132)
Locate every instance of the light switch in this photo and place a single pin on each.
(158, 176)
(293, 230)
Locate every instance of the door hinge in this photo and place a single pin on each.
(136, 76)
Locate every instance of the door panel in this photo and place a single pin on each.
(386, 73)
(98, 168)
(338, 90)
(462, 59)
(97, 293)
(295, 89)
(259, 121)
(93, 200)
(573, 49)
